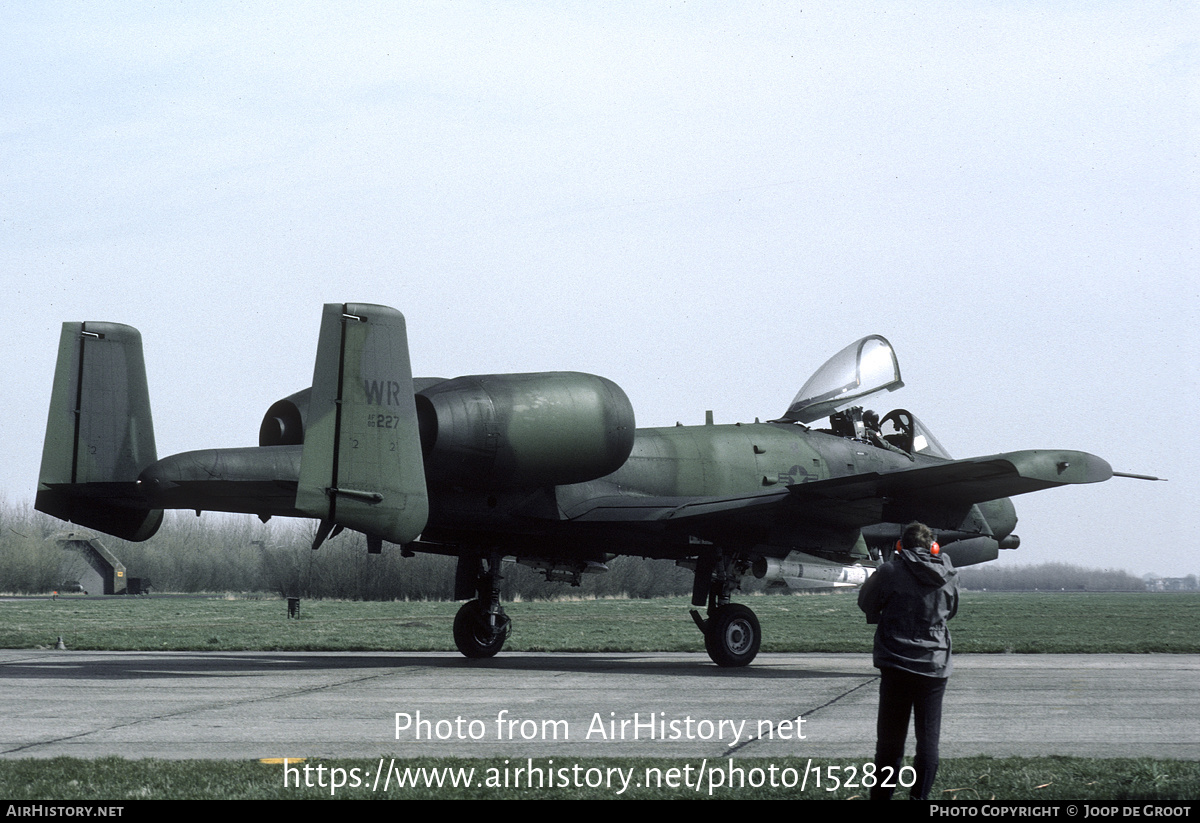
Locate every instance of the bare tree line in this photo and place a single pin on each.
(1048, 577)
(221, 553)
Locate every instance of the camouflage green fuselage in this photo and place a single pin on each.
(670, 465)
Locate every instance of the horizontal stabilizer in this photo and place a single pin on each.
(254, 480)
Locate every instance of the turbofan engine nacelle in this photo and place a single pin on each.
(499, 431)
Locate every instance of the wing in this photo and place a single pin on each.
(937, 493)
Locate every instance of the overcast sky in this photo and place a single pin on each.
(700, 201)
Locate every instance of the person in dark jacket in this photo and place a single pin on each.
(910, 598)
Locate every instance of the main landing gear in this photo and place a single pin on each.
(732, 634)
(481, 626)
(477, 633)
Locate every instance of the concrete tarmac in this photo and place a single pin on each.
(249, 705)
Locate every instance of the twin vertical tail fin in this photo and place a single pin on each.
(99, 434)
(362, 466)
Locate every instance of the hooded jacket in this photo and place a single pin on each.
(910, 598)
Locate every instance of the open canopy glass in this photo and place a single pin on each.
(863, 368)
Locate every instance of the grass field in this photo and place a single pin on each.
(1123, 622)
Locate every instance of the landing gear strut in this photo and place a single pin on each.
(732, 635)
(481, 626)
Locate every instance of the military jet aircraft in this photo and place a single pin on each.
(547, 469)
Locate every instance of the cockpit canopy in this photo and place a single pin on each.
(865, 367)
(861, 369)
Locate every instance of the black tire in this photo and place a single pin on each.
(472, 634)
(733, 636)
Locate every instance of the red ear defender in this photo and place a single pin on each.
(899, 546)
(935, 548)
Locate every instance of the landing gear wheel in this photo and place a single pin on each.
(472, 634)
(733, 635)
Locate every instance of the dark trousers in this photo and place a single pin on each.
(902, 694)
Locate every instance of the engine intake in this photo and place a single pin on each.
(284, 422)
